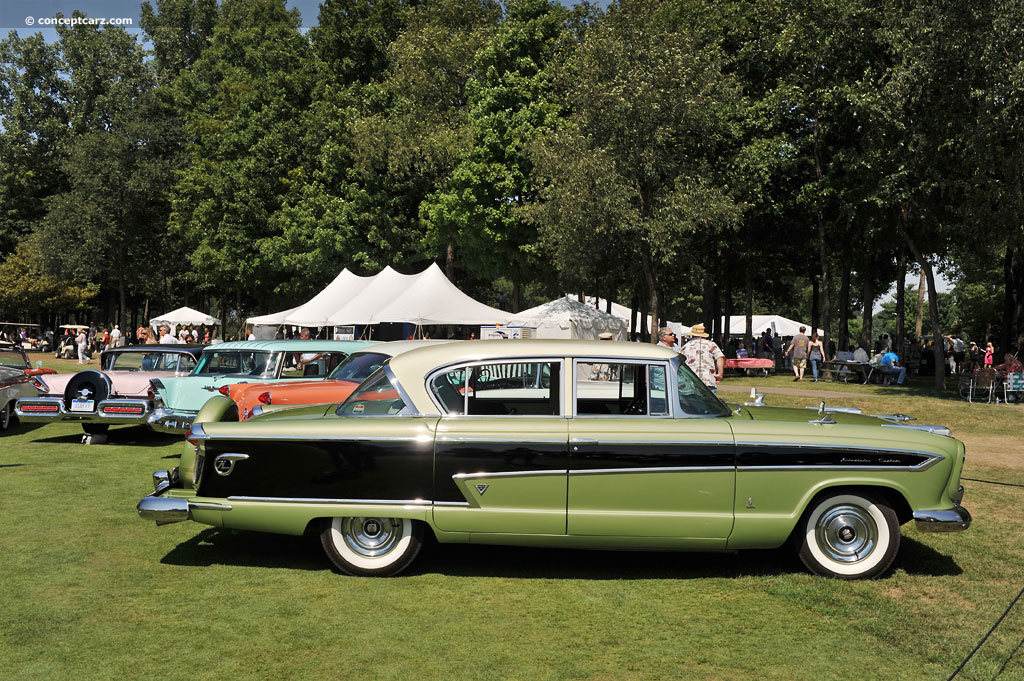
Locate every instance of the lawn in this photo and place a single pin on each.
(90, 591)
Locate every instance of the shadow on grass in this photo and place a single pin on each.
(255, 549)
(136, 436)
(11, 465)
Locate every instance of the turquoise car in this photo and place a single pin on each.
(176, 401)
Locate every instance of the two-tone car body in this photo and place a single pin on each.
(15, 384)
(253, 398)
(13, 355)
(117, 393)
(569, 444)
(178, 400)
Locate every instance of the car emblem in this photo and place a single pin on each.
(481, 489)
(211, 388)
(224, 464)
(84, 393)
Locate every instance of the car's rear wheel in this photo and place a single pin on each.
(848, 536)
(95, 428)
(5, 416)
(371, 547)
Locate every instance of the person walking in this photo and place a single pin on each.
(799, 347)
(816, 350)
(703, 356)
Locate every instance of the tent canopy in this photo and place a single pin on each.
(568, 318)
(424, 298)
(777, 323)
(184, 315)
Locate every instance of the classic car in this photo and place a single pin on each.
(583, 444)
(117, 393)
(178, 400)
(251, 398)
(14, 384)
(13, 355)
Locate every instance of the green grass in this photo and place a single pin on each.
(90, 591)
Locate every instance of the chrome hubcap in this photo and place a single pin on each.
(846, 534)
(371, 537)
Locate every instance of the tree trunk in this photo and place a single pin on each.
(933, 301)
(449, 263)
(919, 322)
(815, 293)
(633, 305)
(866, 318)
(901, 305)
(844, 308)
(748, 330)
(727, 326)
(826, 282)
(1006, 328)
(652, 290)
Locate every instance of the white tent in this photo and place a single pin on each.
(777, 323)
(567, 317)
(184, 315)
(626, 314)
(424, 298)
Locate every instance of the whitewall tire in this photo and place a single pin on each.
(848, 536)
(371, 547)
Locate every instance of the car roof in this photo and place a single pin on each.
(412, 367)
(294, 344)
(395, 348)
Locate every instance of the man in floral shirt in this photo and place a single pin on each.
(704, 357)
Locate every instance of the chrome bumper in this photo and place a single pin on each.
(164, 510)
(955, 519)
(171, 421)
(114, 411)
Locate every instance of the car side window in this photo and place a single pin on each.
(620, 389)
(513, 388)
(375, 396)
(311, 364)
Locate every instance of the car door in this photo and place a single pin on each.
(500, 449)
(638, 466)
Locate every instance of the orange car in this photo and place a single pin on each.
(335, 388)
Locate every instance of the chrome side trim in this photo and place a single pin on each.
(510, 474)
(375, 502)
(202, 506)
(652, 469)
(457, 504)
(837, 467)
(197, 432)
(590, 441)
(424, 439)
(938, 430)
(955, 519)
(510, 440)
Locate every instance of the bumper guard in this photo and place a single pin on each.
(955, 519)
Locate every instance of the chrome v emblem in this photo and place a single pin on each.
(481, 489)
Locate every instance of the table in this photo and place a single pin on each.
(751, 364)
(841, 370)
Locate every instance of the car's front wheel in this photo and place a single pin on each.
(371, 547)
(848, 536)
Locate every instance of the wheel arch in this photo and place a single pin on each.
(887, 493)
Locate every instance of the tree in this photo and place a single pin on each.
(649, 100)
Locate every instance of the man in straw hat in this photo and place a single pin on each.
(704, 357)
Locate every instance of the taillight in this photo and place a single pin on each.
(40, 408)
(39, 384)
(224, 390)
(131, 410)
(264, 398)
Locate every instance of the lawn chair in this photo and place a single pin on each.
(984, 382)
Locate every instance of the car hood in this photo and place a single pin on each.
(797, 415)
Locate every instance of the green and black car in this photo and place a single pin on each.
(564, 444)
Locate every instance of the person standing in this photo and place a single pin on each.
(989, 354)
(816, 351)
(165, 336)
(115, 337)
(799, 347)
(767, 346)
(703, 357)
(252, 334)
(667, 338)
(82, 341)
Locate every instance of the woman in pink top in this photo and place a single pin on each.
(989, 352)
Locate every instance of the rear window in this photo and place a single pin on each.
(360, 365)
(149, 361)
(376, 396)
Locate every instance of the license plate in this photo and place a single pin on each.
(83, 405)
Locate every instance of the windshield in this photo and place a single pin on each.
(375, 396)
(358, 366)
(12, 357)
(695, 398)
(149, 361)
(238, 363)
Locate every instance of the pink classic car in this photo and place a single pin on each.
(116, 393)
